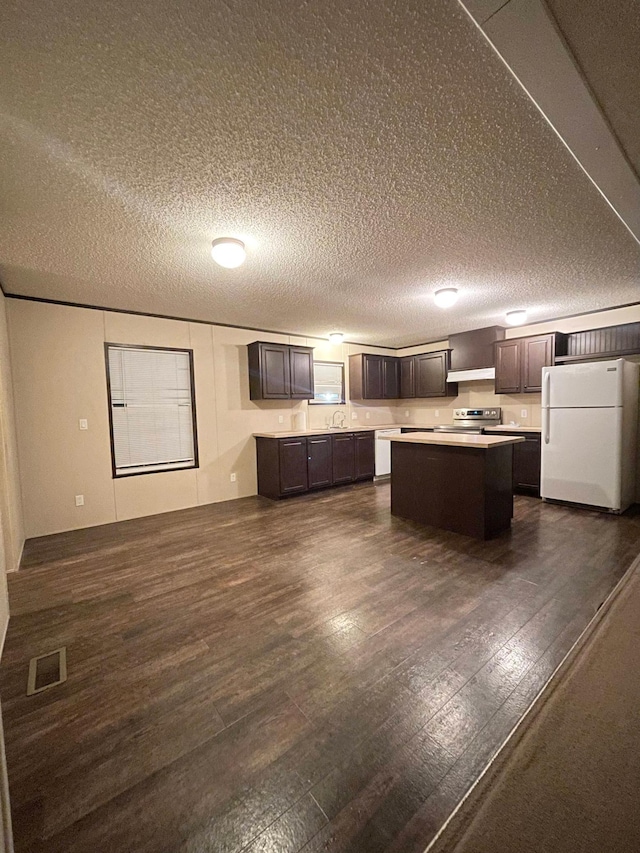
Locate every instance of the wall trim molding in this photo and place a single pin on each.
(438, 340)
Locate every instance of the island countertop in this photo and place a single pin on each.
(452, 439)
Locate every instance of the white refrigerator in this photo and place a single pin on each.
(589, 430)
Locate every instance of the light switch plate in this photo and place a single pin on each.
(79, 500)
(280, 419)
(83, 423)
(524, 413)
(368, 415)
(232, 477)
(437, 413)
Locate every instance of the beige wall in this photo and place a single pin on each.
(600, 319)
(11, 525)
(481, 394)
(59, 377)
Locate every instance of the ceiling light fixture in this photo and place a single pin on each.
(446, 297)
(336, 338)
(228, 252)
(516, 318)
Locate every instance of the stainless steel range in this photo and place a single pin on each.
(472, 420)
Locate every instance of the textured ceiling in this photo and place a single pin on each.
(369, 152)
(604, 38)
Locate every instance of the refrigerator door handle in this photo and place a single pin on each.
(546, 402)
(546, 390)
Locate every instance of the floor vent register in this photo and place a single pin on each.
(47, 671)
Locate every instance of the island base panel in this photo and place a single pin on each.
(465, 490)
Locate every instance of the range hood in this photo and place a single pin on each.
(473, 354)
(471, 375)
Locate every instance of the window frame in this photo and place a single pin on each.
(196, 460)
(343, 400)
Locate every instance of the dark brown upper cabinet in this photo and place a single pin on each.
(407, 377)
(508, 367)
(383, 377)
(430, 372)
(425, 375)
(390, 378)
(519, 362)
(301, 363)
(373, 377)
(537, 353)
(280, 372)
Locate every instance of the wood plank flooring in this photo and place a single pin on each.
(309, 675)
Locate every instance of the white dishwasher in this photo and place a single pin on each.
(383, 451)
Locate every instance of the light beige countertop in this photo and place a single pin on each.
(452, 439)
(373, 427)
(512, 428)
(301, 433)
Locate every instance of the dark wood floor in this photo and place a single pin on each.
(306, 675)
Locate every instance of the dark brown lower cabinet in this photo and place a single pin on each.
(464, 489)
(365, 455)
(343, 458)
(293, 466)
(319, 461)
(526, 462)
(288, 466)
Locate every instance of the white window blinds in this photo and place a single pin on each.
(151, 409)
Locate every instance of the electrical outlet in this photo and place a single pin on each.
(437, 413)
(406, 413)
(280, 419)
(83, 423)
(232, 478)
(368, 415)
(354, 416)
(524, 413)
(79, 500)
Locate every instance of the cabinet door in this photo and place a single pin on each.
(365, 455)
(526, 463)
(407, 383)
(319, 461)
(372, 377)
(275, 372)
(431, 374)
(508, 378)
(301, 364)
(343, 458)
(293, 465)
(390, 378)
(537, 353)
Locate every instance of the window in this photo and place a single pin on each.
(151, 409)
(328, 382)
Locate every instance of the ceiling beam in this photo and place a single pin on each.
(527, 39)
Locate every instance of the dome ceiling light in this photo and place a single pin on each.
(336, 338)
(516, 318)
(446, 297)
(228, 252)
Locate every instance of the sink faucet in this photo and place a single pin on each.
(333, 420)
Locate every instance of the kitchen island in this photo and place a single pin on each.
(457, 482)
